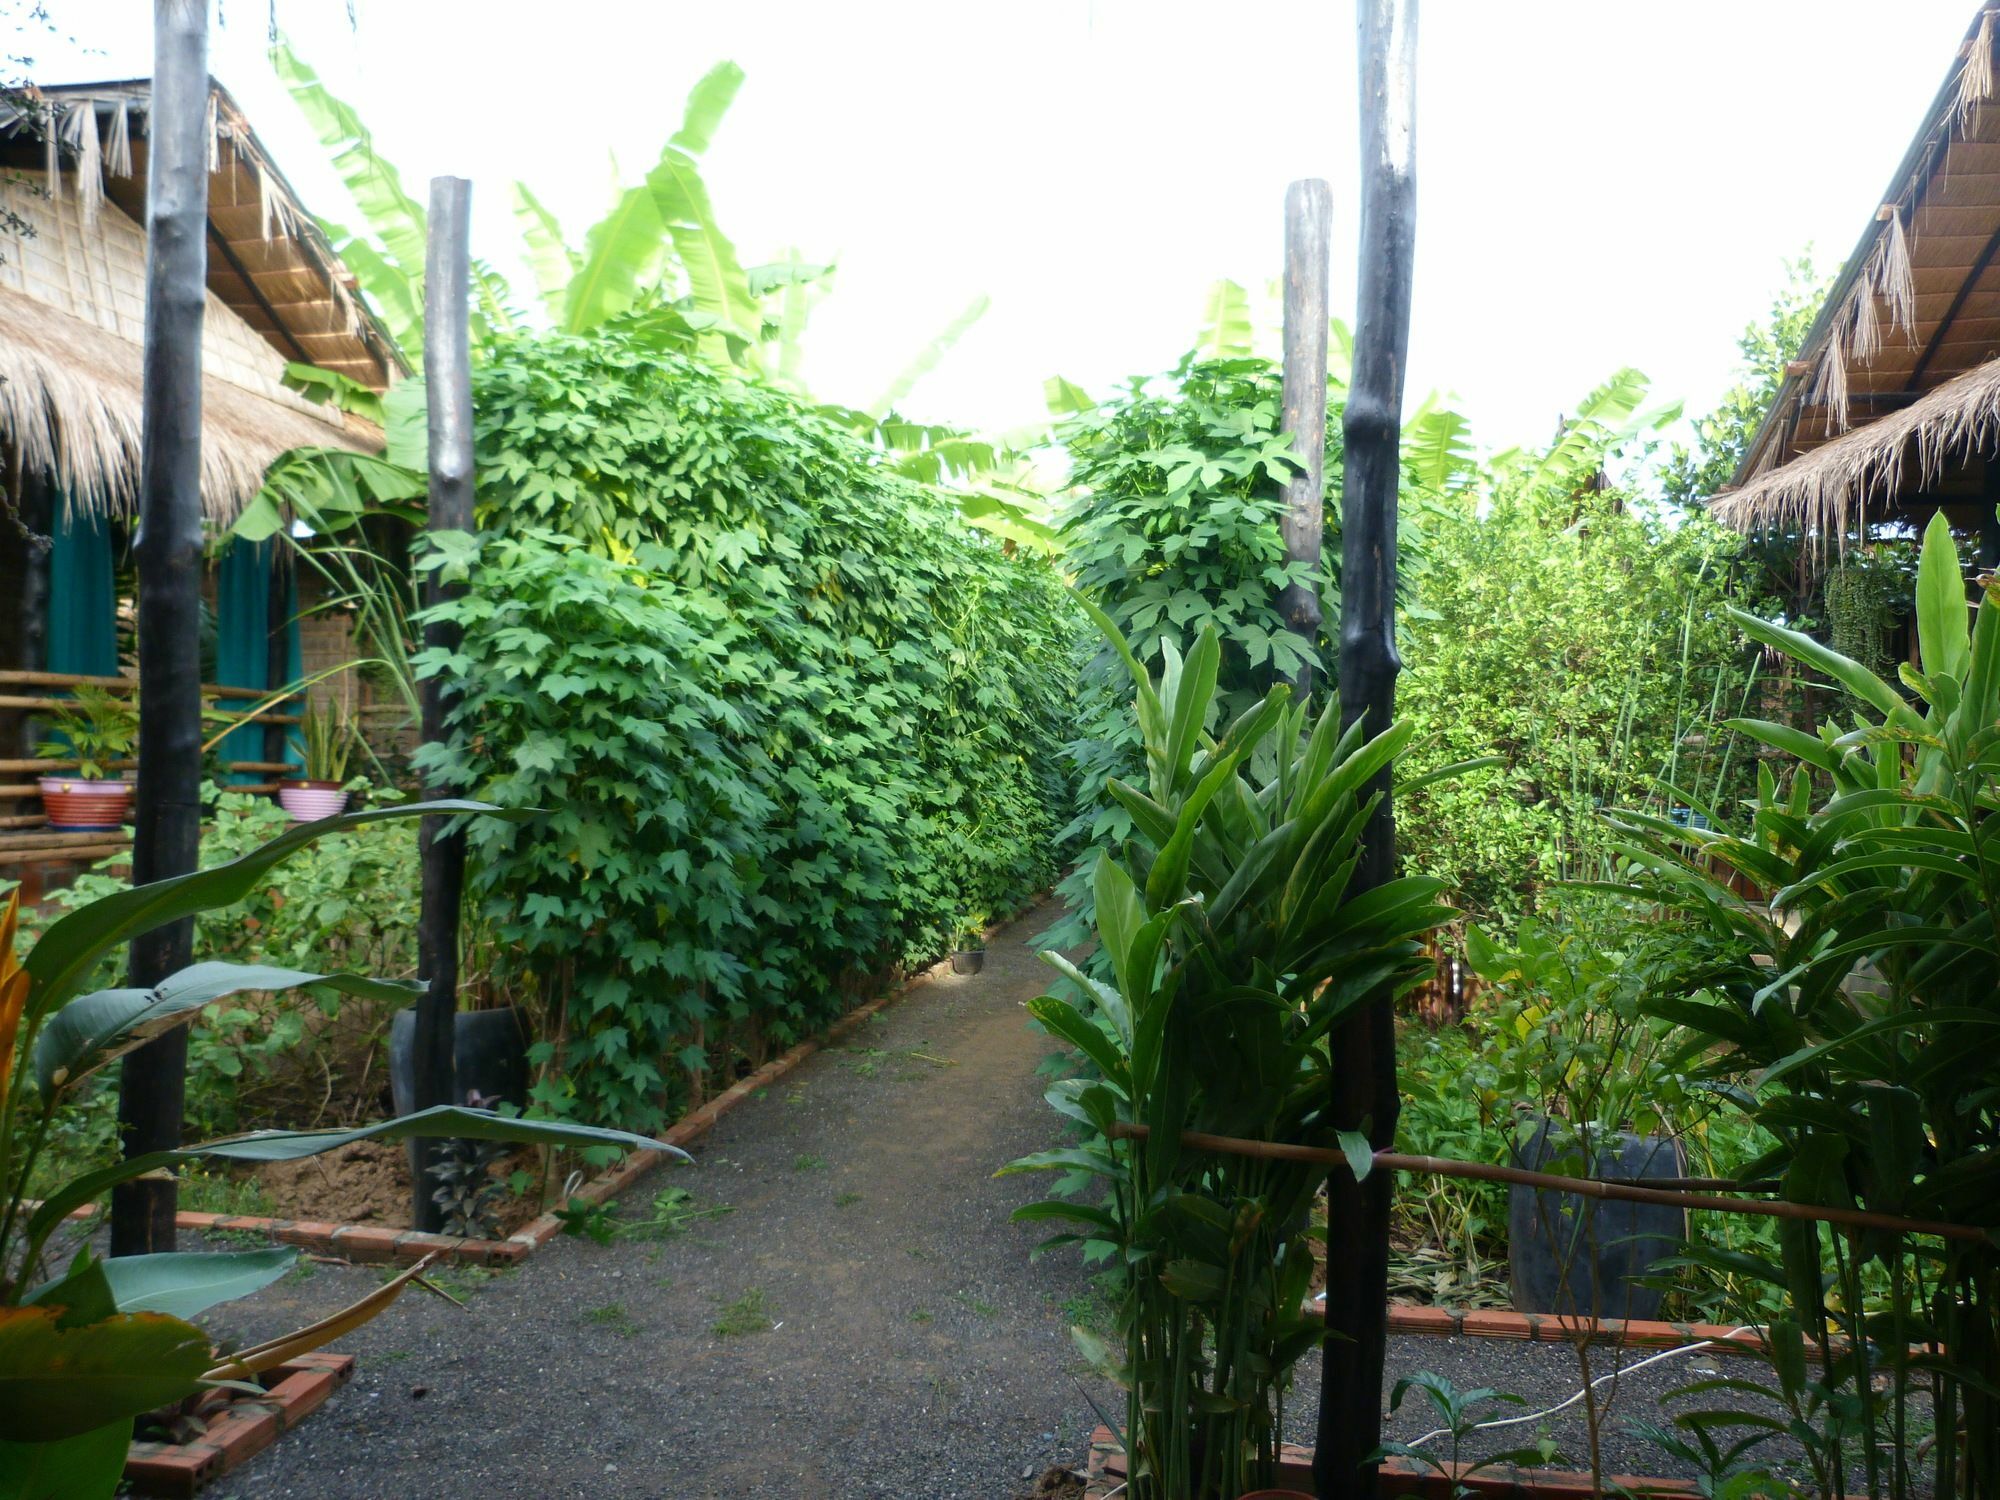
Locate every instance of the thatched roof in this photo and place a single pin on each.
(1835, 489)
(72, 307)
(1915, 310)
(269, 261)
(70, 398)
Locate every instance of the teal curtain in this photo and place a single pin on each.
(83, 604)
(243, 633)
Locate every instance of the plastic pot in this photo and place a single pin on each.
(76, 805)
(309, 801)
(968, 961)
(489, 1056)
(1605, 1245)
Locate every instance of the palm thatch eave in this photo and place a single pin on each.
(1834, 490)
(70, 404)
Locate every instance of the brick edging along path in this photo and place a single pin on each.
(299, 1388)
(374, 1244)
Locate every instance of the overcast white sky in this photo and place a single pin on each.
(1601, 182)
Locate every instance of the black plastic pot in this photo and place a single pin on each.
(1604, 1245)
(489, 1054)
(968, 961)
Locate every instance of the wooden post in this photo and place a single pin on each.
(166, 820)
(1308, 228)
(448, 379)
(1364, 1045)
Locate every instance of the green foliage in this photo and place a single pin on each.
(99, 726)
(1233, 946)
(1581, 638)
(1173, 530)
(1867, 594)
(791, 722)
(1849, 997)
(85, 1351)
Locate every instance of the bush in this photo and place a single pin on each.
(793, 722)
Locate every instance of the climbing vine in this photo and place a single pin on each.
(792, 723)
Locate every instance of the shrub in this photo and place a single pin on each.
(791, 721)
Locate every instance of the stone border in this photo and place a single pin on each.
(376, 1244)
(244, 1430)
(1104, 1477)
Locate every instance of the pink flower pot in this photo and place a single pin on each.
(73, 804)
(309, 801)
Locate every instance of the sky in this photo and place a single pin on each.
(1601, 183)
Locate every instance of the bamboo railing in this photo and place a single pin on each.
(22, 840)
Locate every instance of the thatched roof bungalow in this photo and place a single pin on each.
(73, 165)
(1892, 410)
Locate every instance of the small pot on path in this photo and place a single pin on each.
(75, 804)
(968, 961)
(309, 801)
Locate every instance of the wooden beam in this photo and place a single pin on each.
(1308, 230)
(448, 376)
(1977, 270)
(1363, 1045)
(229, 257)
(166, 819)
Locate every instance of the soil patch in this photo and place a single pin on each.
(368, 1182)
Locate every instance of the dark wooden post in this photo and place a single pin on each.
(1308, 228)
(1364, 1046)
(448, 379)
(167, 818)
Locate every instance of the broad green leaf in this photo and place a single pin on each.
(1943, 624)
(927, 358)
(715, 278)
(551, 260)
(94, 1029)
(73, 1468)
(58, 1382)
(1225, 331)
(182, 1284)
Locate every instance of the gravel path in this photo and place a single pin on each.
(864, 1321)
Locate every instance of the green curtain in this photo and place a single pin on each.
(243, 633)
(83, 604)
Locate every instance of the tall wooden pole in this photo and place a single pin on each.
(448, 381)
(1364, 1046)
(167, 819)
(1308, 229)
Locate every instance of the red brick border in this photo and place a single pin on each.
(1105, 1472)
(368, 1243)
(247, 1428)
(1547, 1328)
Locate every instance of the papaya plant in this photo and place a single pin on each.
(1850, 1003)
(1234, 946)
(84, 1351)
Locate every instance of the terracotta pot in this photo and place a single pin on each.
(73, 803)
(309, 801)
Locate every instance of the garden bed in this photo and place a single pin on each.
(374, 1242)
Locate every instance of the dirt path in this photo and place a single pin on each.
(911, 1348)
(863, 1322)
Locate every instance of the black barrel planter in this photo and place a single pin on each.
(489, 1056)
(1582, 1257)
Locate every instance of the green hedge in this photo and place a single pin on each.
(792, 720)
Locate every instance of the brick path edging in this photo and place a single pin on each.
(1548, 1328)
(244, 1430)
(1104, 1476)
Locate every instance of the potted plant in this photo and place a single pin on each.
(327, 736)
(968, 954)
(97, 730)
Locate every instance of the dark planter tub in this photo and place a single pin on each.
(490, 1057)
(1605, 1246)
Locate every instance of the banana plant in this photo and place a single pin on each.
(1849, 1001)
(84, 1351)
(1235, 946)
